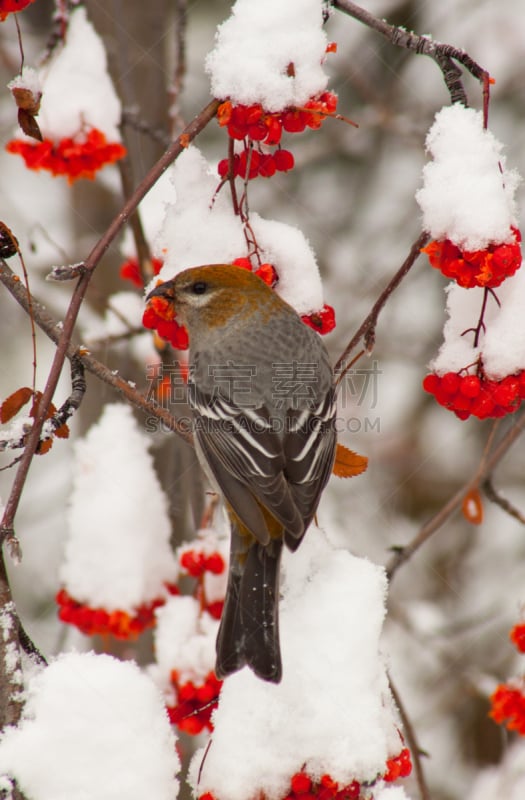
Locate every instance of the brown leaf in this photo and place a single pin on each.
(8, 242)
(14, 403)
(29, 124)
(347, 463)
(36, 400)
(27, 99)
(472, 507)
(63, 431)
(44, 447)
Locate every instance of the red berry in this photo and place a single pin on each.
(268, 274)
(294, 121)
(192, 562)
(301, 783)
(450, 383)
(244, 263)
(214, 563)
(284, 160)
(253, 113)
(506, 393)
(150, 318)
(257, 131)
(274, 130)
(223, 167)
(431, 383)
(470, 386)
(267, 166)
(249, 164)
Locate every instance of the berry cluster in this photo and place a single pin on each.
(322, 321)
(476, 395)
(399, 766)
(196, 562)
(195, 703)
(253, 163)
(508, 701)
(117, 623)
(75, 158)
(255, 126)
(130, 270)
(486, 268)
(303, 787)
(159, 316)
(508, 706)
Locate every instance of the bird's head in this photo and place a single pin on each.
(207, 298)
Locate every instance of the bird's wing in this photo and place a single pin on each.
(309, 452)
(245, 456)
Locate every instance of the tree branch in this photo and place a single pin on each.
(367, 328)
(403, 554)
(443, 54)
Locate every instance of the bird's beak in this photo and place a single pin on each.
(165, 290)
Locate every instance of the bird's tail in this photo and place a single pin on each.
(249, 629)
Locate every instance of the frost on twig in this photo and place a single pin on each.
(66, 272)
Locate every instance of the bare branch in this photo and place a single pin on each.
(366, 330)
(494, 496)
(404, 553)
(443, 54)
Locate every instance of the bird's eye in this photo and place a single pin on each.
(199, 287)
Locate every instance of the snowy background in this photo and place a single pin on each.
(352, 194)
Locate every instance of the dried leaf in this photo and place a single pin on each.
(26, 99)
(8, 242)
(50, 411)
(14, 403)
(63, 431)
(472, 507)
(347, 463)
(44, 447)
(29, 124)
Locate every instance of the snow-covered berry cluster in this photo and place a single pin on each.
(305, 787)
(487, 268)
(195, 704)
(475, 395)
(77, 132)
(260, 130)
(98, 621)
(186, 631)
(469, 210)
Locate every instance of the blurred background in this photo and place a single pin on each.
(352, 194)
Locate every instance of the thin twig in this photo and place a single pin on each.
(494, 497)
(412, 742)
(367, 328)
(443, 54)
(404, 553)
(29, 647)
(179, 72)
(64, 343)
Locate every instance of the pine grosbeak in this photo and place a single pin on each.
(262, 395)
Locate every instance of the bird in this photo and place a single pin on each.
(261, 391)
